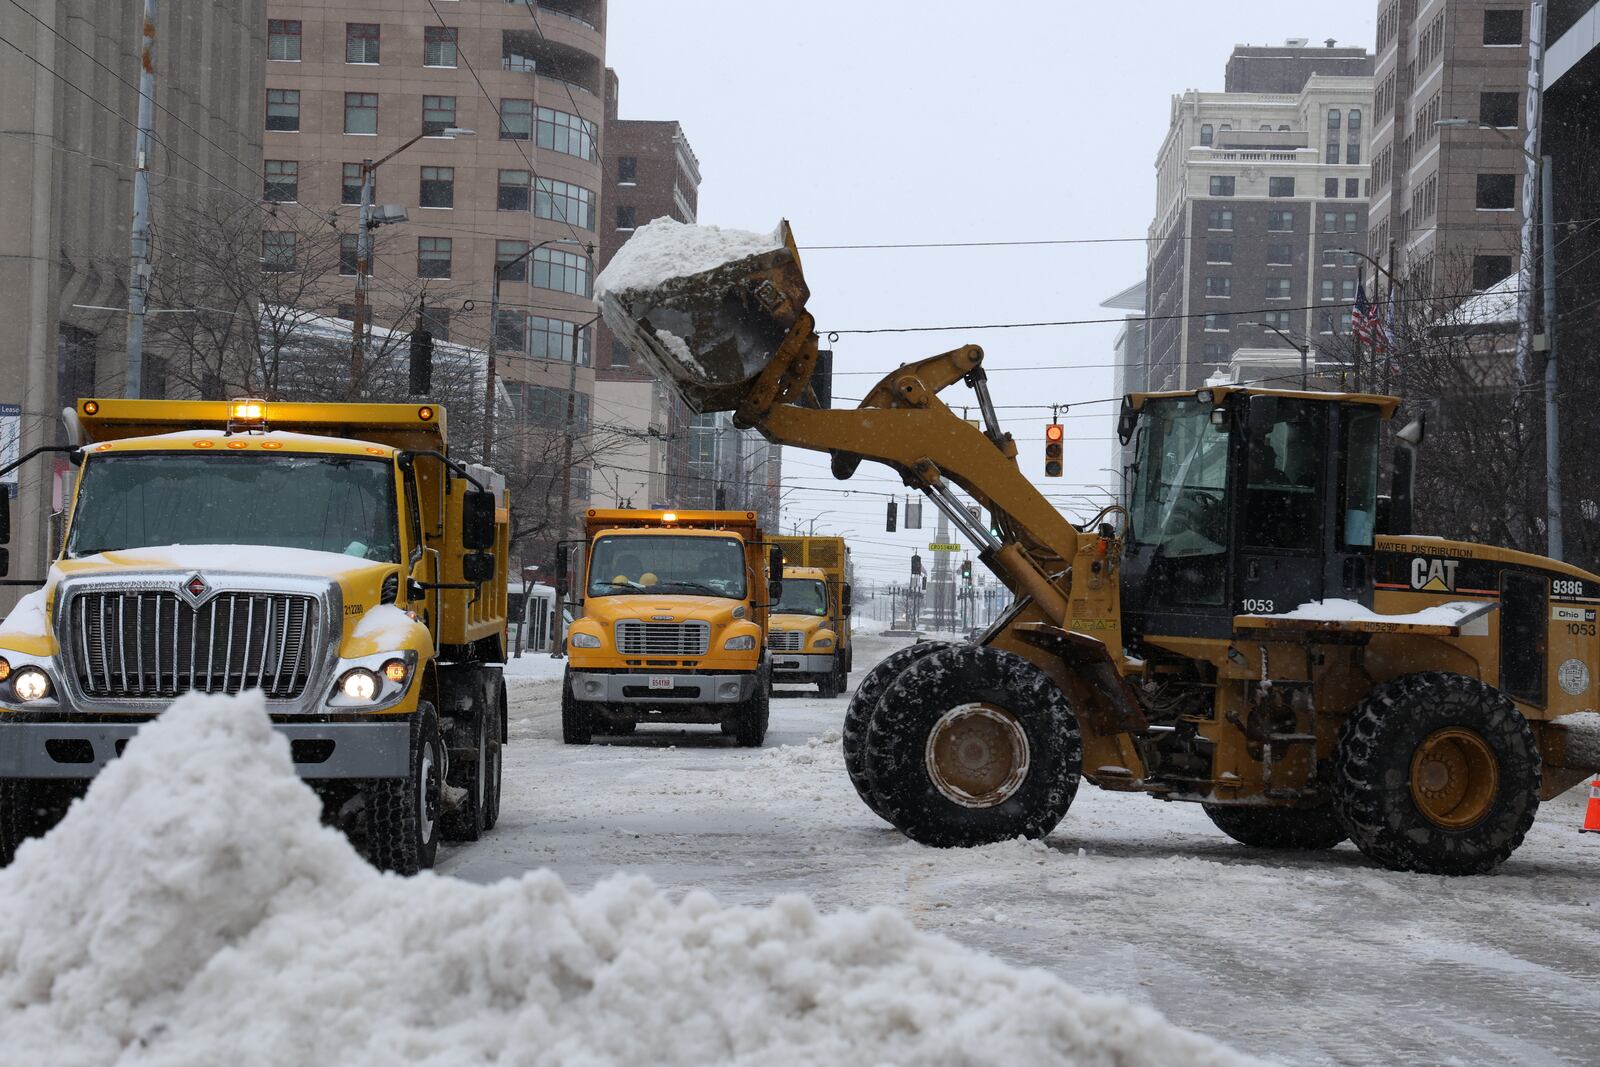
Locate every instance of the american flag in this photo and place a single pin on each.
(1362, 316)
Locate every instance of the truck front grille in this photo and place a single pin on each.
(785, 640)
(133, 645)
(636, 638)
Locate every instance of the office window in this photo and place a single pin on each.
(627, 170)
(626, 218)
(350, 184)
(1218, 322)
(438, 46)
(558, 131)
(1487, 270)
(512, 193)
(438, 114)
(1335, 118)
(1280, 319)
(516, 120)
(1502, 27)
(1327, 321)
(283, 39)
(1280, 255)
(1280, 186)
(511, 260)
(1347, 289)
(1216, 352)
(282, 185)
(1280, 221)
(277, 251)
(1220, 218)
(563, 202)
(1352, 153)
(1352, 188)
(1277, 289)
(1325, 289)
(1499, 110)
(433, 257)
(1207, 133)
(438, 187)
(1222, 185)
(558, 340)
(1217, 285)
(361, 42)
(511, 331)
(1354, 123)
(1332, 155)
(1330, 222)
(1330, 188)
(1219, 252)
(283, 110)
(1284, 128)
(1496, 192)
(565, 272)
(360, 112)
(436, 320)
(1334, 258)
(1351, 219)
(349, 257)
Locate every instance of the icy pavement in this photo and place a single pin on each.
(1303, 958)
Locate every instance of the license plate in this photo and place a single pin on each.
(662, 681)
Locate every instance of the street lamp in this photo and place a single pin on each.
(1304, 350)
(1538, 170)
(364, 224)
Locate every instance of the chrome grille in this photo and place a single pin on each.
(636, 638)
(132, 645)
(785, 640)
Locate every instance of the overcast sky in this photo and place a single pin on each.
(886, 121)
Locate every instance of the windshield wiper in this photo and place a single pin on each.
(693, 586)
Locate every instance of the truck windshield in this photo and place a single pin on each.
(666, 563)
(1181, 486)
(802, 596)
(150, 499)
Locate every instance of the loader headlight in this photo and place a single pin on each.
(743, 643)
(581, 640)
(30, 684)
(359, 685)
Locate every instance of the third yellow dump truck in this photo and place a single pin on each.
(673, 623)
(810, 637)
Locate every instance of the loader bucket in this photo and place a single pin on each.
(713, 329)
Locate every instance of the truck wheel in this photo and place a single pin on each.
(497, 740)
(1292, 828)
(1436, 773)
(750, 728)
(403, 813)
(577, 724)
(828, 685)
(862, 704)
(971, 745)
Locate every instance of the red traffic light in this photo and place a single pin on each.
(1054, 432)
(1053, 435)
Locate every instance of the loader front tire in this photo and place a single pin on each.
(971, 745)
(863, 703)
(1436, 773)
(403, 814)
(1307, 829)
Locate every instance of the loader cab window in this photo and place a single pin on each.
(1181, 488)
(1358, 485)
(1285, 448)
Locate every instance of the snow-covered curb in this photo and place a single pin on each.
(192, 909)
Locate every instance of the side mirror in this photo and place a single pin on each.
(5, 562)
(477, 567)
(1127, 418)
(477, 520)
(846, 599)
(774, 573)
(5, 515)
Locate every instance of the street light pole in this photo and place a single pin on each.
(1304, 350)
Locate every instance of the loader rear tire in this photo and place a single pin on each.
(403, 814)
(1436, 773)
(1307, 829)
(971, 745)
(864, 702)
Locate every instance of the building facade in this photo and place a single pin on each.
(66, 166)
(1260, 197)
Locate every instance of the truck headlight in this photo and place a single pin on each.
(30, 684)
(743, 643)
(360, 685)
(581, 640)
(822, 642)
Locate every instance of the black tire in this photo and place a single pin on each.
(577, 724)
(750, 725)
(403, 814)
(962, 693)
(1429, 739)
(856, 715)
(1306, 829)
(828, 685)
(468, 772)
(497, 741)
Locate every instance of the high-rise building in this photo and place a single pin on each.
(1449, 199)
(1258, 194)
(68, 108)
(519, 196)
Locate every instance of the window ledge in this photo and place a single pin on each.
(347, 133)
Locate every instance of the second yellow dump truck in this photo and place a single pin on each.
(810, 638)
(673, 624)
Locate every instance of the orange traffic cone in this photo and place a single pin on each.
(1591, 815)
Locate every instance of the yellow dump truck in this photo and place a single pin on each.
(810, 637)
(332, 557)
(673, 624)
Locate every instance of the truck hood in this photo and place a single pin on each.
(806, 624)
(238, 559)
(606, 610)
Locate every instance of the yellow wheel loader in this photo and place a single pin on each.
(1250, 633)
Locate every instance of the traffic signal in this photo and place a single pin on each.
(421, 362)
(893, 507)
(1053, 436)
(966, 571)
(916, 563)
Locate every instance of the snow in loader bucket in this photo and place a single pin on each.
(705, 307)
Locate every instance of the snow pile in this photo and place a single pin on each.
(665, 249)
(1451, 614)
(192, 910)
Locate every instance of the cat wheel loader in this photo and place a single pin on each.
(1248, 633)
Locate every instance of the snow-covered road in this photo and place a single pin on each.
(1303, 958)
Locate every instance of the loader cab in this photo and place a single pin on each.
(1247, 502)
